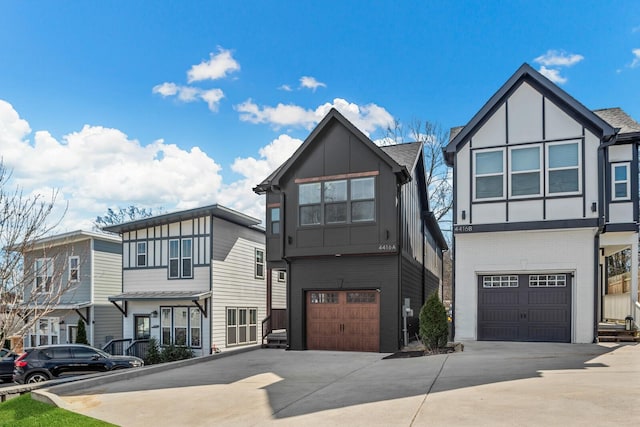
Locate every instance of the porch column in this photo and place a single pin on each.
(634, 278)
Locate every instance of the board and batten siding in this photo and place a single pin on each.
(526, 117)
(233, 275)
(157, 240)
(278, 291)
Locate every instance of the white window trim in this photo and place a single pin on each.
(474, 175)
(282, 276)
(180, 258)
(45, 263)
(548, 169)
(511, 172)
(141, 253)
(237, 326)
(258, 263)
(77, 269)
(626, 181)
(173, 258)
(172, 326)
(183, 257)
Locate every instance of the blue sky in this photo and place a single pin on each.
(183, 104)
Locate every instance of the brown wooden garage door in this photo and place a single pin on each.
(524, 307)
(343, 320)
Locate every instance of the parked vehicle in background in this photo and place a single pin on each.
(53, 361)
(7, 359)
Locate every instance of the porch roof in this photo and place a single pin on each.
(162, 295)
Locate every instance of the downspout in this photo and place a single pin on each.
(283, 252)
(400, 246)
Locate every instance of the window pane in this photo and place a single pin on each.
(309, 193)
(173, 268)
(490, 162)
(620, 173)
(335, 191)
(195, 337)
(310, 215)
(363, 211)
(186, 268)
(231, 317)
(275, 214)
(335, 213)
(180, 316)
(563, 155)
(174, 249)
(563, 181)
(525, 183)
(488, 186)
(275, 227)
(181, 336)
(525, 159)
(621, 190)
(363, 188)
(186, 248)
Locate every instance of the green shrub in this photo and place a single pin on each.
(81, 337)
(434, 329)
(153, 355)
(172, 353)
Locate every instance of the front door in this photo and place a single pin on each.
(142, 327)
(72, 334)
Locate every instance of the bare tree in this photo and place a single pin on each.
(26, 294)
(120, 215)
(438, 179)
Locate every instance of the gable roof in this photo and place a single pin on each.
(526, 73)
(332, 116)
(213, 210)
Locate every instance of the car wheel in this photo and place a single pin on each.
(38, 377)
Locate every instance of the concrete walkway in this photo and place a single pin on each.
(489, 384)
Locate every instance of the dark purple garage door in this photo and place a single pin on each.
(524, 307)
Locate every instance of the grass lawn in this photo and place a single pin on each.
(24, 411)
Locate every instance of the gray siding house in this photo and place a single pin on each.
(349, 224)
(544, 191)
(193, 278)
(88, 264)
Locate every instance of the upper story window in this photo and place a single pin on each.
(525, 171)
(337, 202)
(259, 264)
(563, 168)
(363, 198)
(275, 220)
(621, 188)
(489, 174)
(74, 268)
(180, 258)
(282, 276)
(141, 254)
(43, 268)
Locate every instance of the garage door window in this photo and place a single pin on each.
(361, 298)
(500, 282)
(324, 298)
(547, 281)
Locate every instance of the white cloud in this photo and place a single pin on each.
(553, 75)
(218, 66)
(285, 88)
(191, 94)
(368, 118)
(309, 82)
(555, 58)
(636, 58)
(97, 167)
(239, 195)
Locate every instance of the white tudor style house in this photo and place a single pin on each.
(87, 265)
(545, 190)
(193, 278)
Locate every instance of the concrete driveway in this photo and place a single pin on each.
(492, 384)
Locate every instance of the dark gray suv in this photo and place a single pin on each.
(52, 361)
